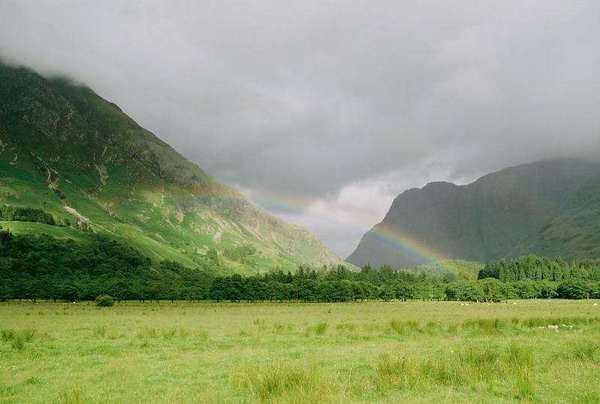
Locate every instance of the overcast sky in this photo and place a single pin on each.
(323, 111)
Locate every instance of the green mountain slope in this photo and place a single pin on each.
(548, 207)
(576, 231)
(78, 157)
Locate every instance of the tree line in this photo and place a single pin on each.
(542, 269)
(13, 213)
(44, 267)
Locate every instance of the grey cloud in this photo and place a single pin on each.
(306, 98)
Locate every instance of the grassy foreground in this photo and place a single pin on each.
(539, 351)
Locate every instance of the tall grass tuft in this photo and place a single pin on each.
(33, 381)
(17, 339)
(319, 329)
(345, 327)
(524, 387)
(397, 372)
(473, 367)
(444, 372)
(485, 326)
(74, 396)
(99, 331)
(586, 351)
(404, 328)
(7, 335)
(519, 357)
(259, 323)
(166, 333)
(282, 383)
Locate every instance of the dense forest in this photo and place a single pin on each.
(44, 267)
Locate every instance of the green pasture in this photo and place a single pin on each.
(182, 352)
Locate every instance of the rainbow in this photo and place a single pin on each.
(400, 241)
(397, 240)
(278, 202)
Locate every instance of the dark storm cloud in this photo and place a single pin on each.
(308, 98)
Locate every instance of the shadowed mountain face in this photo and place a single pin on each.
(549, 208)
(66, 151)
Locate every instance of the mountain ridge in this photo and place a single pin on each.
(499, 215)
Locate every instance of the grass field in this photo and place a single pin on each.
(538, 351)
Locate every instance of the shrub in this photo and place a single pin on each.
(105, 301)
(547, 289)
(594, 289)
(493, 290)
(572, 289)
(465, 291)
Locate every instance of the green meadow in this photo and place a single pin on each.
(529, 351)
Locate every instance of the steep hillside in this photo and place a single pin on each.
(576, 231)
(72, 154)
(548, 207)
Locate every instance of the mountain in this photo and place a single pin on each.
(68, 153)
(549, 208)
